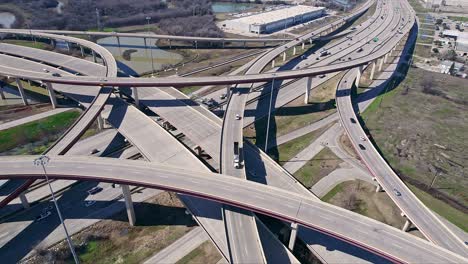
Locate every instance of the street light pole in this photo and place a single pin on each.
(42, 161)
(269, 114)
(148, 18)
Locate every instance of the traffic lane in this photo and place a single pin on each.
(420, 215)
(264, 199)
(243, 248)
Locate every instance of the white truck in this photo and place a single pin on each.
(236, 155)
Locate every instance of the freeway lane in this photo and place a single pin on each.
(351, 227)
(429, 224)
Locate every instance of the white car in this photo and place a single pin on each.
(238, 117)
(363, 138)
(238, 93)
(89, 203)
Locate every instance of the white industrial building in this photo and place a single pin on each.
(275, 20)
(461, 39)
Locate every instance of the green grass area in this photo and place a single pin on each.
(28, 43)
(206, 253)
(289, 149)
(417, 6)
(420, 128)
(33, 89)
(37, 130)
(337, 189)
(315, 169)
(459, 18)
(189, 89)
(453, 215)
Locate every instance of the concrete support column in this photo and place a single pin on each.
(100, 122)
(307, 91)
(292, 237)
(407, 225)
(135, 96)
(228, 92)
(129, 204)
(273, 63)
(53, 99)
(196, 44)
(2, 95)
(294, 50)
(21, 91)
(284, 56)
(358, 77)
(310, 41)
(303, 45)
(386, 58)
(244, 44)
(68, 46)
(198, 150)
(82, 51)
(24, 200)
(118, 44)
(170, 44)
(378, 188)
(223, 44)
(381, 64)
(372, 70)
(94, 56)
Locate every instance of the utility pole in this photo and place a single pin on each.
(98, 20)
(148, 18)
(42, 161)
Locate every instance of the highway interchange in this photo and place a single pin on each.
(391, 21)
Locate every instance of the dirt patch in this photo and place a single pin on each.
(360, 197)
(346, 144)
(115, 241)
(14, 112)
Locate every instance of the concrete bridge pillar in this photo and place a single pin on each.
(386, 58)
(372, 70)
(303, 45)
(24, 200)
(82, 51)
(94, 56)
(223, 44)
(378, 187)
(129, 204)
(292, 238)
(100, 122)
(310, 41)
(294, 50)
(358, 77)
(273, 63)
(307, 91)
(381, 64)
(170, 44)
(228, 91)
(198, 150)
(244, 44)
(284, 56)
(2, 95)
(407, 225)
(53, 98)
(21, 91)
(135, 97)
(68, 46)
(118, 44)
(196, 44)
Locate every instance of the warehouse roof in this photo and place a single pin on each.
(279, 14)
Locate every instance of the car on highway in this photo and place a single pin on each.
(222, 96)
(363, 138)
(353, 120)
(397, 193)
(89, 203)
(238, 117)
(360, 49)
(362, 147)
(45, 70)
(94, 151)
(238, 92)
(56, 74)
(43, 216)
(322, 76)
(94, 190)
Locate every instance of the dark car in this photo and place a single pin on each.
(362, 147)
(352, 120)
(94, 190)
